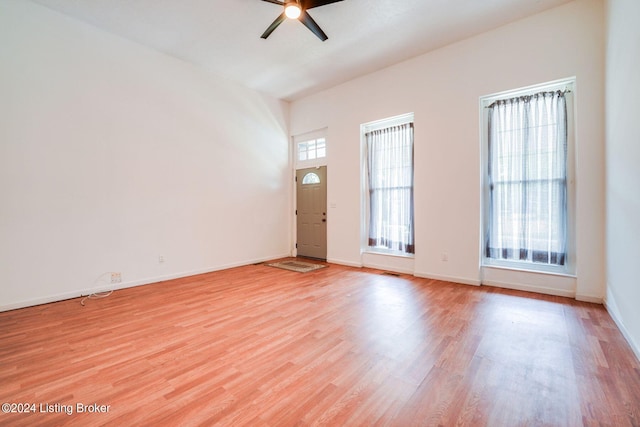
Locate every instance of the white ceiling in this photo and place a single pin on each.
(223, 36)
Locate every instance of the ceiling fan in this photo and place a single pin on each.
(297, 9)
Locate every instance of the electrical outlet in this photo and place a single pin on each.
(444, 257)
(116, 277)
(161, 259)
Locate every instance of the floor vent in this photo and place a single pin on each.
(390, 273)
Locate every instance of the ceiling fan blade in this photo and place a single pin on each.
(310, 4)
(308, 22)
(275, 2)
(274, 25)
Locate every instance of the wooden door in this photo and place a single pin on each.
(311, 218)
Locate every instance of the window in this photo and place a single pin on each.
(527, 175)
(311, 178)
(312, 149)
(388, 149)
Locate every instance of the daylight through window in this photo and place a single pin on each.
(389, 165)
(527, 179)
(312, 149)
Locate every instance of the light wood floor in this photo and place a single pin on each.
(259, 346)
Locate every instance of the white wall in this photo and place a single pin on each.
(112, 155)
(623, 166)
(443, 88)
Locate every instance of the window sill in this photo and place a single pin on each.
(524, 268)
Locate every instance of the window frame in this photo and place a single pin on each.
(365, 206)
(568, 269)
(313, 136)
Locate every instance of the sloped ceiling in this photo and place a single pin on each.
(223, 36)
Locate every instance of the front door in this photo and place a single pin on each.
(311, 219)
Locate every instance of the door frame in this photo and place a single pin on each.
(305, 164)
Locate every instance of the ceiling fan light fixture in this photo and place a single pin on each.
(298, 9)
(292, 10)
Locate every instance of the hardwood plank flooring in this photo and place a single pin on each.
(259, 346)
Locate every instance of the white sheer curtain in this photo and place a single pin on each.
(528, 179)
(390, 173)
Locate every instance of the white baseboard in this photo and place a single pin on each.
(342, 262)
(44, 300)
(589, 298)
(530, 288)
(461, 280)
(612, 309)
(387, 268)
(114, 287)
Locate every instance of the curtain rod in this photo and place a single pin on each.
(524, 96)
